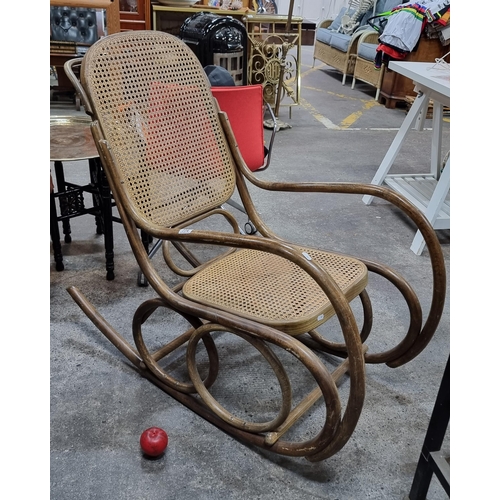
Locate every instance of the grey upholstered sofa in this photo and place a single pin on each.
(339, 50)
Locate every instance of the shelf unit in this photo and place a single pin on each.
(135, 15)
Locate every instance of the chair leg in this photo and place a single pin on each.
(249, 227)
(141, 279)
(377, 94)
(344, 78)
(353, 82)
(236, 205)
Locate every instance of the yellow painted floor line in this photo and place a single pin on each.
(327, 123)
(311, 70)
(354, 117)
(322, 119)
(347, 122)
(342, 96)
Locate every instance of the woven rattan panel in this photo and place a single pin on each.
(273, 290)
(153, 103)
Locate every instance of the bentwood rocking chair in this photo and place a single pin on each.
(171, 159)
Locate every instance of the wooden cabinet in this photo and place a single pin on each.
(135, 15)
(396, 87)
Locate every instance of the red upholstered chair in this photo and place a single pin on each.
(244, 105)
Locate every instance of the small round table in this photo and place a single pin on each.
(71, 140)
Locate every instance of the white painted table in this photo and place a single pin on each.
(430, 192)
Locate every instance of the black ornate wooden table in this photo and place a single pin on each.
(71, 140)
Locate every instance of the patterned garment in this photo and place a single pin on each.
(404, 26)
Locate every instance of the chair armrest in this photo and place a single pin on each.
(399, 201)
(325, 23)
(431, 240)
(352, 49)
(369, 36)
(365, 35)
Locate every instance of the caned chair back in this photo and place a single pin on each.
(156, 112)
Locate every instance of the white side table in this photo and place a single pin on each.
(430, 192)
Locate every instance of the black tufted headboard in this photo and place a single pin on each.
(76, 24)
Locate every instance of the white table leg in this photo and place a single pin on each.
(435, 204)
(420, 102)
(420, 121)
(437, 135)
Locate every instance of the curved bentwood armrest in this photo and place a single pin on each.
(387, 194)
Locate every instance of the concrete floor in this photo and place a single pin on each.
(100, 405)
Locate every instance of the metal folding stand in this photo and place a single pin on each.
(431, 460)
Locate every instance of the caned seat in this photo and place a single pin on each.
(172, 162)
(249, 277)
